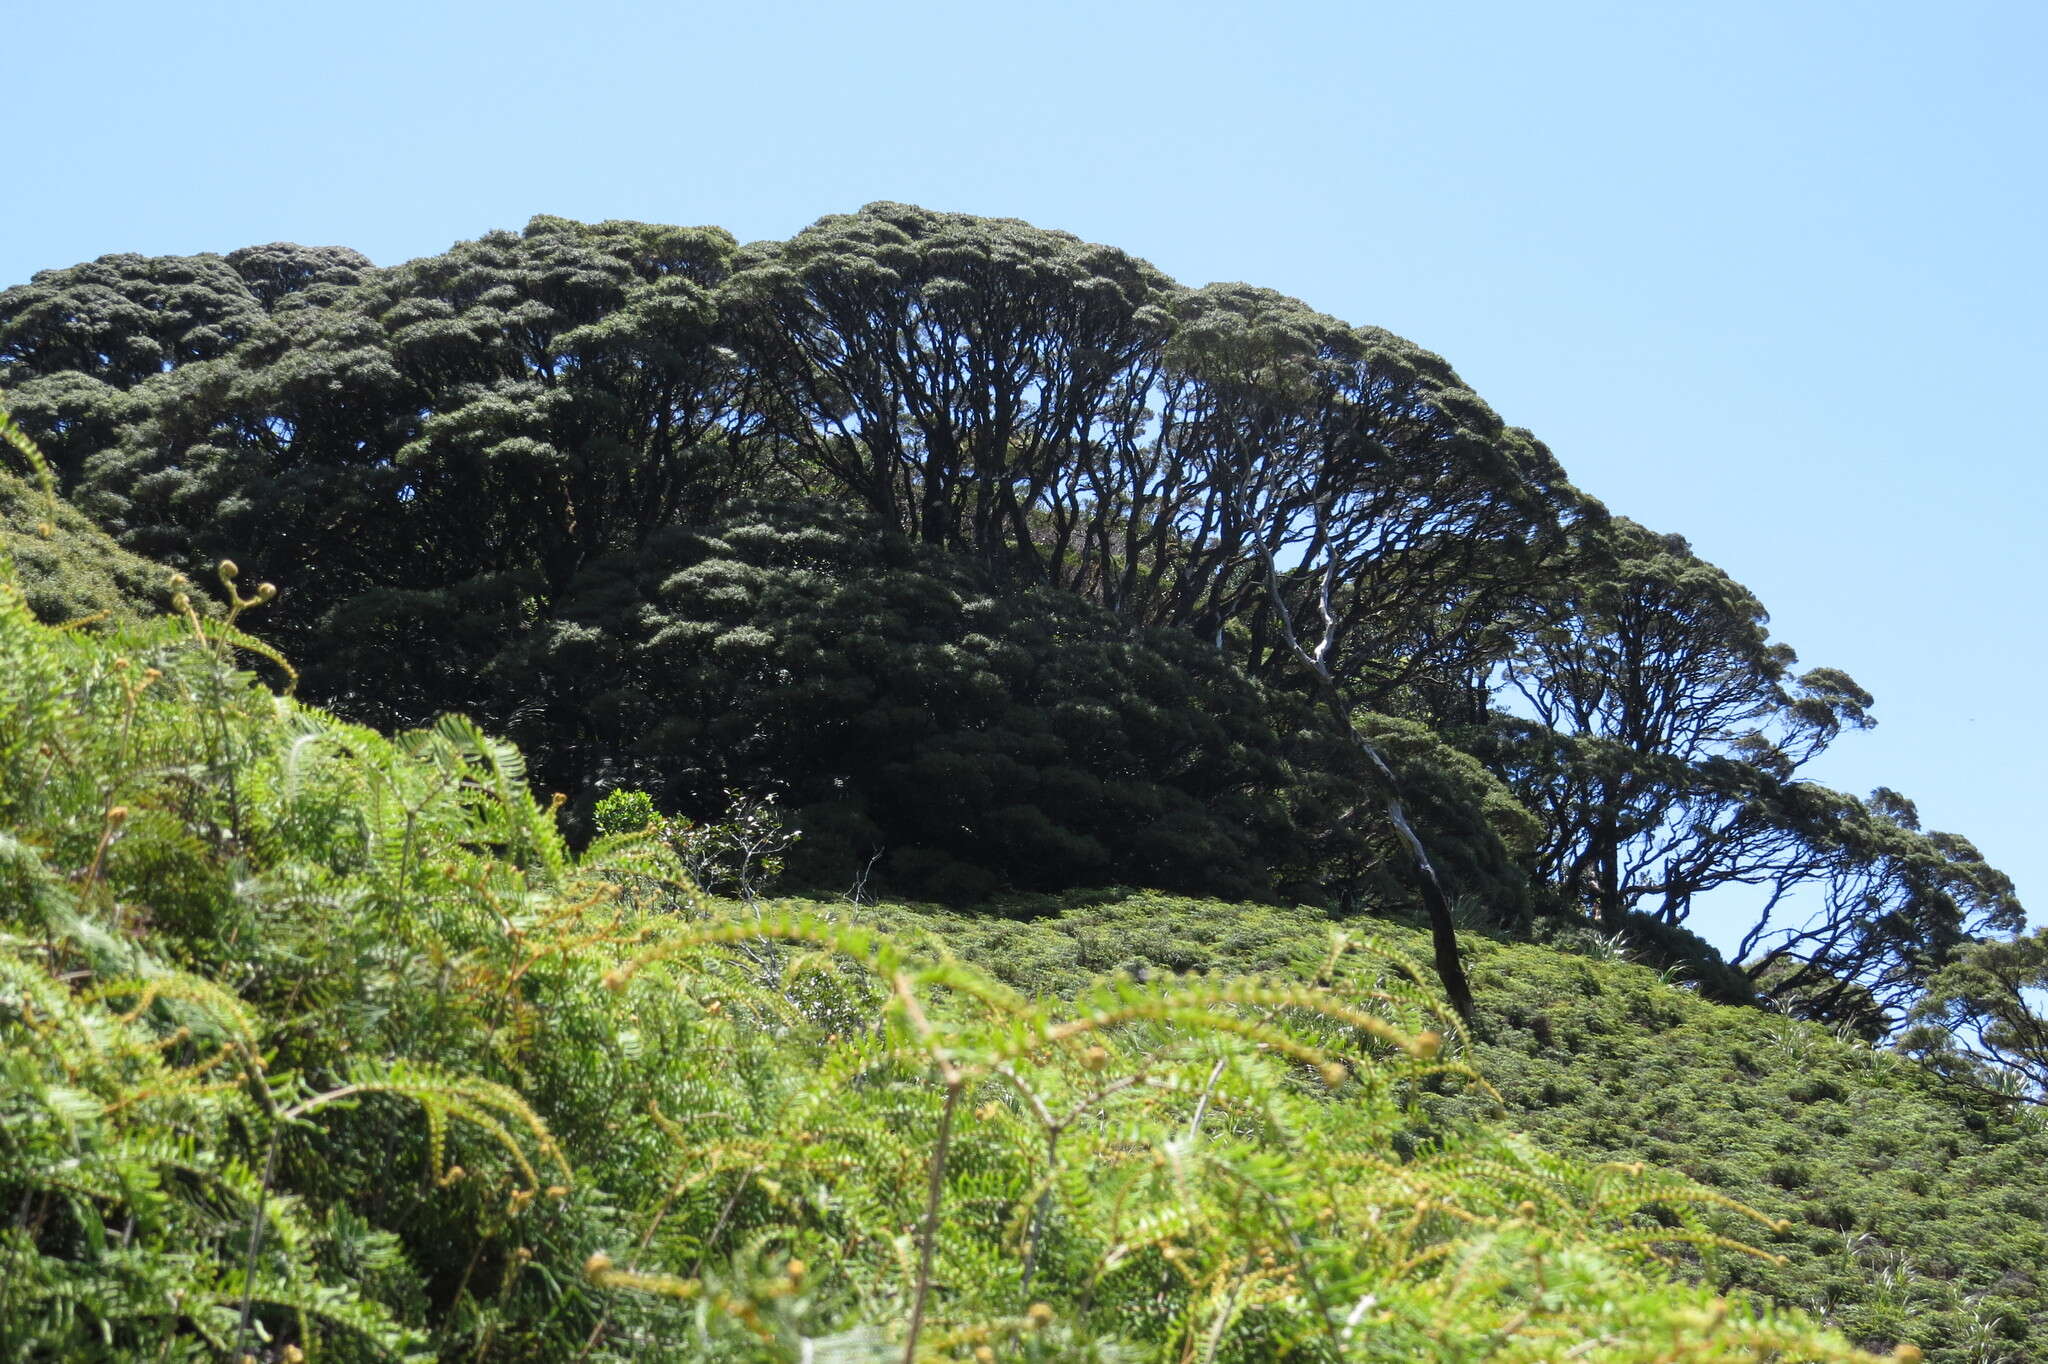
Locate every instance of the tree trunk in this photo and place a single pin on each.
(1443, 931)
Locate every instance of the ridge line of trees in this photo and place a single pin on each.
(667, 508)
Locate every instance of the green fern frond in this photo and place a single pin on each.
(22, 444)
(496, 1109)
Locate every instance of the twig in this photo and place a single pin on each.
(954, 1087)
(1202, 1104)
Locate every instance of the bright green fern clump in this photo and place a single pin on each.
(321, 1044)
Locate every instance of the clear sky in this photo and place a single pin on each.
(1767, 274)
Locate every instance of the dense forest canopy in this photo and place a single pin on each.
(1006, 562)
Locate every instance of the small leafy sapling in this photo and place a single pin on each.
(625, 811)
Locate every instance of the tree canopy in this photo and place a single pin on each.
(1010, 563)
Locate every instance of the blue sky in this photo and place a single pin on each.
(1767, 274)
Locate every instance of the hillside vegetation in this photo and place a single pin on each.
(951, 576)
(322, 1044)
(69, 570)
(1007, 563)
(1911, 1208)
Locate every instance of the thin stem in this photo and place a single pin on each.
(647, 1238)
(256, 1226)
(954, 1088)
(724, 1216)
(1223, 1321)
(1202, 1104)
(1040, 1210)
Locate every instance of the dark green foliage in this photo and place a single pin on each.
(1347, 480)
(1686, 957)
(453, 438)
(1478, 834)
(975, 739)
(76, 344)
(1066, 411)
(1089, 543)
(426, 463)
(955, 374)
